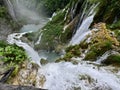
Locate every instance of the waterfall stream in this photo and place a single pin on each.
(62, 75)
(26, 11)
(83, 29)
(15, 39)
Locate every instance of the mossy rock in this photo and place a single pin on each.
(52, 31)
(91, 56)
(71, 51)
(117, 33)
(112, 60)
(108, 11)
(101, 41)
(43, 61)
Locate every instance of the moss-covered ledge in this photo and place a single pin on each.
(101, 41)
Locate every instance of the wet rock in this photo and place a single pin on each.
(26, 76)
(43, 61)
(13, 87)
(5, 29)
(112, 60)
(101, 41)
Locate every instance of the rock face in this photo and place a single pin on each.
(1, 2)
(101, 41)
(12, 87)
(5, 29)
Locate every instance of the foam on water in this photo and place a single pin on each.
(84, 76)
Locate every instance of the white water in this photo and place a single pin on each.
(15, 39)
(105, 56)
(66, 76)
(83, 29)
(25, 11)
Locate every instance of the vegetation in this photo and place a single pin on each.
(71, 51)
(3, 12)
(52, 32)
(12, 53)
(108, 11)
(112, 59)
(102, 41)
(52, 6)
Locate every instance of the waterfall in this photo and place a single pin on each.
(11, 9)
(86, 19)
(62, 75)
(26, 11)
(15, 39)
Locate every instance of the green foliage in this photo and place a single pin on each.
(54, 5)
(117, 33)
(74, 50)
(13, 53)
(108, 11)
(3, 44)
(71, 51)
(115, 58)
(16, 70)
(112, 59)
(90, 56)
(98, 50)
(115, 25)
(3, 12)
(52, 31)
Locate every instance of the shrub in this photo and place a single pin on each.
(13, 53)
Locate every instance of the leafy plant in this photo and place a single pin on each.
(13, 53)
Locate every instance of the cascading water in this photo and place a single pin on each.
(85, 19)
(26, 11)
(105, 56)
(65, 75)
(15, 39)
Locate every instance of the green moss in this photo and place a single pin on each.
(52, 32)
(3, 12)
(3, 44)
(117, 33)
(108, 11)
(115, 25)
(54, 5)
(98, 50)
(68, 55)
(84, 45)
(112, 59)
(71, 51)
(75, 50)
(90, 56)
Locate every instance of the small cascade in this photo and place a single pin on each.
(39, 39)
(15, 39)
(85, 21)
(105, 56)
